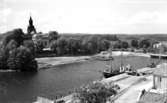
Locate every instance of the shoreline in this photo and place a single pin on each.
(127, 83)
(48, 62)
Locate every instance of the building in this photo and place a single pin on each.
(31, 29)
(160, 78)
(158, 93)
(41, 38)
(160, 47)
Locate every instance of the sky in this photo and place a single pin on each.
(86, 16)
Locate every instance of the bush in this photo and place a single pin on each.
(3, 58)
(22, 59)
(96, 92)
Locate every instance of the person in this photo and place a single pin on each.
(128, 67)
(122, 69)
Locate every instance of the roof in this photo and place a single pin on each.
(150, 97)
(161, 70)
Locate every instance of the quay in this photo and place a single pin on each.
(161, 56)
(129, 86)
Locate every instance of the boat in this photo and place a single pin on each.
(108, 74)
(103, 56)
(110, 71)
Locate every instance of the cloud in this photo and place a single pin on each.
(144, 17)
(4, 13)
(86, 15)
(3, 28)
(142, 1)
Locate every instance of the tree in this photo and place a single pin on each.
(30, 45)
(15, 56)
(103, 45)
(134, 43)
(124, 45)
(90, 45)
(4, 53)
(73, 45)
(145, 43)
(61, 46)
(53, 46)
(11, 45)
(3, 58)
(39, 46)
(16, 34)
(118, 45)
(22, 59)
(53, 35)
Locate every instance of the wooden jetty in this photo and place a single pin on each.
(160, 56)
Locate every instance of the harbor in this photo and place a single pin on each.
(130, 86)
(59, 80)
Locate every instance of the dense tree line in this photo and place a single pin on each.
(77, 46)
(88, 44)
(17, 53)
(121, 45)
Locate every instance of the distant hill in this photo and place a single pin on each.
(126, 37)
(157, 37)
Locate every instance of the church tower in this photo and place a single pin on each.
(31, 29)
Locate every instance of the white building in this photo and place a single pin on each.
(160, 78)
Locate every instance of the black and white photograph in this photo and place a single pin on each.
(83, 51)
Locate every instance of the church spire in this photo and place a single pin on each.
(30, 21)
(31, 29)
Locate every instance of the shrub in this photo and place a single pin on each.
(96, 92)
(22, 59)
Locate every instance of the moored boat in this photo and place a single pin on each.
(110, 71)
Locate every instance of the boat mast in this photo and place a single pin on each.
(121, 57)
(110, 50)
(160, 52)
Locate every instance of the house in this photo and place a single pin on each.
(42, 38)
(160, 47)
(160, 78)
(158, 94)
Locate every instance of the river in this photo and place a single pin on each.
(18, 87)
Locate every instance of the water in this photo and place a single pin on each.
(18, 87)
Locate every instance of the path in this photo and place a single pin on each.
(132, 93)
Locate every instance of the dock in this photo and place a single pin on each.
(161, 56)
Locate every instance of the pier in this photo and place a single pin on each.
(160, 56)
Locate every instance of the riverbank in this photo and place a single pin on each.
(44, 63)
(124, 53)
(130, 86)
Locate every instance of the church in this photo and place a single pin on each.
(37, 37)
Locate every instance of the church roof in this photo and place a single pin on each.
(161, 70)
